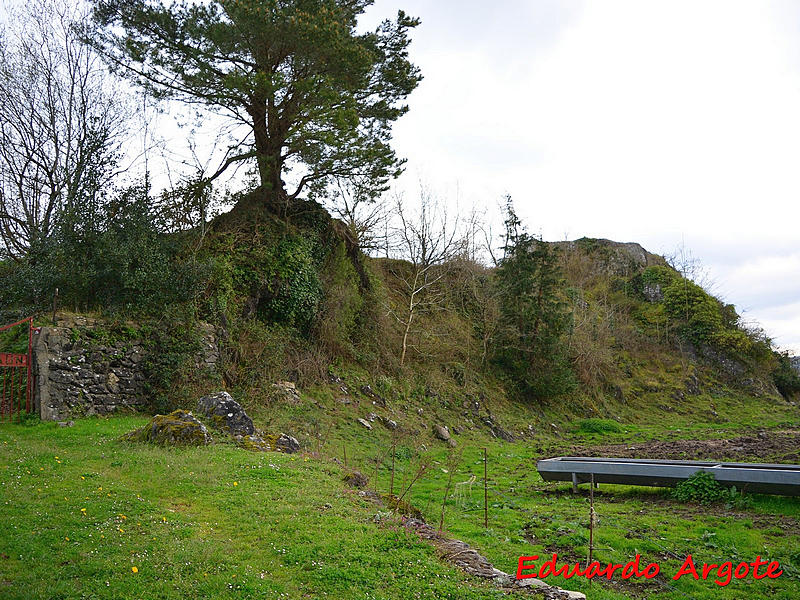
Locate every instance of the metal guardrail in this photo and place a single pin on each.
(783, 480)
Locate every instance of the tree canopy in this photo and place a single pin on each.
(317, 96)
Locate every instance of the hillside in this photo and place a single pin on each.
(308, 337)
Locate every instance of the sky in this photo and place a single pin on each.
(668, 123)
(674, 124)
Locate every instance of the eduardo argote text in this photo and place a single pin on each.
(722, 573)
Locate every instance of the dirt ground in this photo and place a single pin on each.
(765, 446)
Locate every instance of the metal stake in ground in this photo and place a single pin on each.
(592, 521)
(391, 481)
(485, 492)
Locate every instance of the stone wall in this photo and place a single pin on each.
(76, 376)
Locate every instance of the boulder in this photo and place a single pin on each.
(441, 432)
(287, 392)
(356, 480)
(365, 423)
(268, 443)
(288, 444)
(179, 428)
(389, 424)
(226, 413)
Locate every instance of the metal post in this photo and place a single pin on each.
(28, 406)
(485, 492)
(391, 481)
(12, 393)
(375, 481)
(574, 483)
(344, 448)
(591, 523)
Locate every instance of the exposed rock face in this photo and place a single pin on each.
(226, 413)
(179, 428)
(653, 292)
(795, 362)
(619, 258)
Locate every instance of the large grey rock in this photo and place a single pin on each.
(226, 413)
(365, 423)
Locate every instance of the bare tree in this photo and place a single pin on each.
(360, 211)
(62, 123)
(428, 239)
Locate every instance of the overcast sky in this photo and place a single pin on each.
(660, 122)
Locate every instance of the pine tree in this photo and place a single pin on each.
(535, 315)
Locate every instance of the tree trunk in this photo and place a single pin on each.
(268, 157)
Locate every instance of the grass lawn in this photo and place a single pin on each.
(86, 516)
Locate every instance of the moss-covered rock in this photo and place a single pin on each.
(178, 428)
(401, 506)
(356, 479)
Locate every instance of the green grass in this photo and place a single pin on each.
(81, 511)
(528, 516)
(225, 523)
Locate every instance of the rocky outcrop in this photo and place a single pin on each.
(178, 428)
(226, 413)
(615, 258)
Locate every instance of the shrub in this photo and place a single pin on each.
(702, 487)
(598, 426)
(786, 379)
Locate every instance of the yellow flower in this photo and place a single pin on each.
(134, 569)
(82, 477)
(66, 538)
(164, 519)
(83, 510)
(235, 483)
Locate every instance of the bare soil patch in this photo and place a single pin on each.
(764, 446)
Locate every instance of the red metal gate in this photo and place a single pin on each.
(17, 378)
